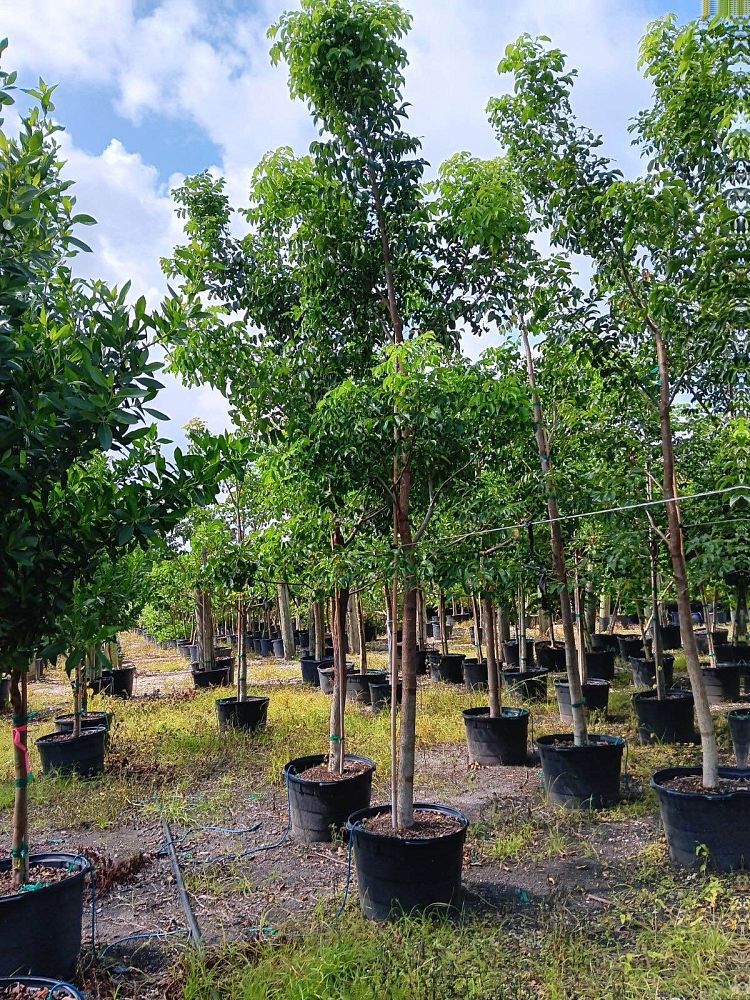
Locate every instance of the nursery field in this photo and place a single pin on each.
(557, 903)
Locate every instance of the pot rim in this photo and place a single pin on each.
(234, 700)
(674, 694)
(354, 824)
(739, 713)
(84, 734)
(49, 860)
(483, 712)
(596, 681)
(312, 760)
(673, 772)
(603, 740)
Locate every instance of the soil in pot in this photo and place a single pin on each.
(644, 671)
(380, 695)
(586, 777)
(37, 988)
(500, 741)
(41, 930)
(358, 685)
(705, 826)
(402, 871)
(722, 683)
(310, 666)
(320, 806)
(667, 721)
(249, 715)
(529, 685)
(64, 753)
(511, 650)
(595, 697)
(739, 730)
(448, 669)
(549, 657)
(475, 675)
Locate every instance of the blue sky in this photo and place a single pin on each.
(152, 90)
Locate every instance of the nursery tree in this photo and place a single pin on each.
(667, 249)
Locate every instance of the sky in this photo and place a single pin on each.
(150, 91)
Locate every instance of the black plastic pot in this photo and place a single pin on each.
(316, 808)
(82, 754)
(595, 696)
(55, 989)
(668, 721)
(122, 682)
(600, 665)
(396, 875)
(549, 657)
(4, 692)
(739, 730)
(222, 652)
(256, 645)
(380, 695)
(310, 666)
(581, 777)
(702, 827)
(278, 649)
(358, 685)
(630, 645)
(448, 669)
(40, 931)
(266, 647)
(670, 637)
(529, 685)
(644, 671)
(511, 651)
(498, 741)
(605, 641)
(720, 636)
(211, 678)
(250, 714)
(326, 677)
(722, 683)
(728, 653)
(303, 638)
(102, 684)
(472, 634)
(475, 675)
(91, 720)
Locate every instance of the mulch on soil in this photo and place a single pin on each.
(428, 825)
(39, 875)
(352, 769)
(694, 783)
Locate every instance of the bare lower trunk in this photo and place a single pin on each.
(442, 626)
(679, 572)
(493, 675)
(657, 646)
(241, 650)
(320, 631)
(392, 604)
(581, 629)
(20, 845)
(421, 620)
(285, 620)
(477, 626)
(339, 604)
(352, 625)
(407, 733)
(204, 626)
(362, 636)
(521, 630)
(77, 697)
(503, 626)
(580, 731)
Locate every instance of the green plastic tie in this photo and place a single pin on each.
(578, 704)
(20, 852)
(24, 782)
(335, 739)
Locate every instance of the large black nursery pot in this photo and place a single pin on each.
(475, 674)
(630, 645)
(421, 659)
(55, 989)
(210, 678)
(4, 692)
(737, 653)
(123, 679)
(40, 931)
(327, 677)
(448, 669)
(739, 730)
(511, 652)
(529, 685)
(722, 682)
(497, 741)
(91, 720)
(380, 694)
(249, 715)
(670, 637)
(600, 665)
(666, 721)
(358, 685)
(703, 826)
(644, 671)
(720, 636)
(266, 646)
(310, 666)
(595, 697)
(318, 808)
(256, 645)
(585, 777)
(550, 657)
(398, 875)
(67, 754)
(605, 641)
(278, 649)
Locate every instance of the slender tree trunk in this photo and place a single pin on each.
(352, 625)
(581, 630)
(521, 630)
(477, 626)
(339, 604)
(241, 650)
(710, 625)
(421, 620)
(740, 619)
(362, 635)
(20, 841)
(580, 731)
(77, 686)
(407, 733)
(493, 674)
(320, 631)
(285, 620)
(442, 625)
(679, 572)
(503, 627)
(657, 645)
(392, 605)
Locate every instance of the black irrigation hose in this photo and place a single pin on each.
(192, 923)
